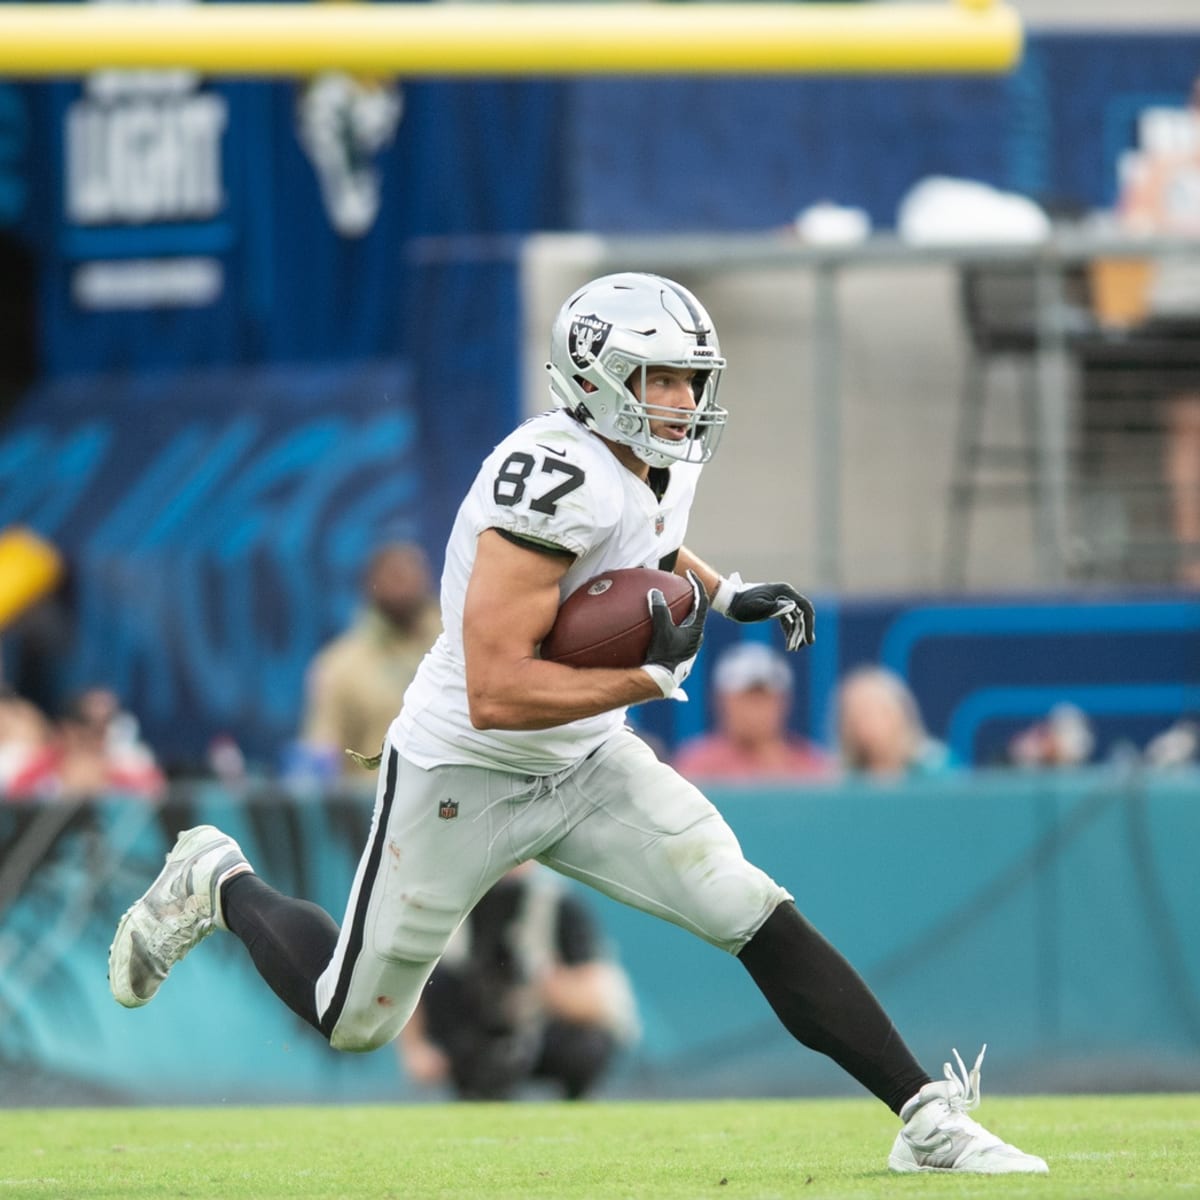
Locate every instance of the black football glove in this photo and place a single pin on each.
(766, 601)
(673, 648)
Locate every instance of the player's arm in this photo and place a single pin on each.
(512, 600)
(687, 561)
(740, 601)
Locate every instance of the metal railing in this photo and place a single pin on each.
(1056, 326)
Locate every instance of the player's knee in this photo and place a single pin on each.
(371, 1026)
(382, 998)
(734, 901)
(356, 1040)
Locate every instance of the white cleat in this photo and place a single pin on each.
(939, 1136)
(178, 911)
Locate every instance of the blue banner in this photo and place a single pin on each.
(182, 222)
(216, 524)
(684, 155)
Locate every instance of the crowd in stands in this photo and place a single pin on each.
(356, 682)
(92, 748)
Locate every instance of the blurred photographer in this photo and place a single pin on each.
(523, 993)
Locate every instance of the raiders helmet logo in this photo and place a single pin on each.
(586, 340)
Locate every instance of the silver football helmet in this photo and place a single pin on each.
(607, 334)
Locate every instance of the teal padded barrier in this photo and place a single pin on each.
(1052, 916)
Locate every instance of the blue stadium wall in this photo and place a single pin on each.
(215, 472)
(1051, 916)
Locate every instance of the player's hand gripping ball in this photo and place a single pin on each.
(606, 621)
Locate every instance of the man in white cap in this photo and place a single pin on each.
(752, 685)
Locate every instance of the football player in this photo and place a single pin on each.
(499, 756)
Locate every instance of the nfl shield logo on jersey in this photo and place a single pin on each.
(448, 810)
(659, 525)
(586, 340)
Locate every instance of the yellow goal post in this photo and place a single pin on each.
(505, 39)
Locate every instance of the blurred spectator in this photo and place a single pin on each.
(1177, 746)
(24, 734)
(752, 686)
(357, 682)
(1063, 739)
(1160, 194)
(225, 761)
(523, 993)
(95, 749)
(36, 617)
(1182, 468)
(880, 731)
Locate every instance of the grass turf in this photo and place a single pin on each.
(1128, 1146)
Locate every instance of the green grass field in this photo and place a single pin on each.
(1129, 1146)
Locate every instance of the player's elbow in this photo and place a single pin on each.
(496, 712)
(483, 715)
(502, 693)
(486, 710)
(492, 702)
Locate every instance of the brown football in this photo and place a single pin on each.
(605, 622)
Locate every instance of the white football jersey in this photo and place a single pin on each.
(551, 481)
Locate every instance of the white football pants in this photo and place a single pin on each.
(620, 821)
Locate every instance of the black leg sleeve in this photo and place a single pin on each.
(824, 1003)
(290, 941)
